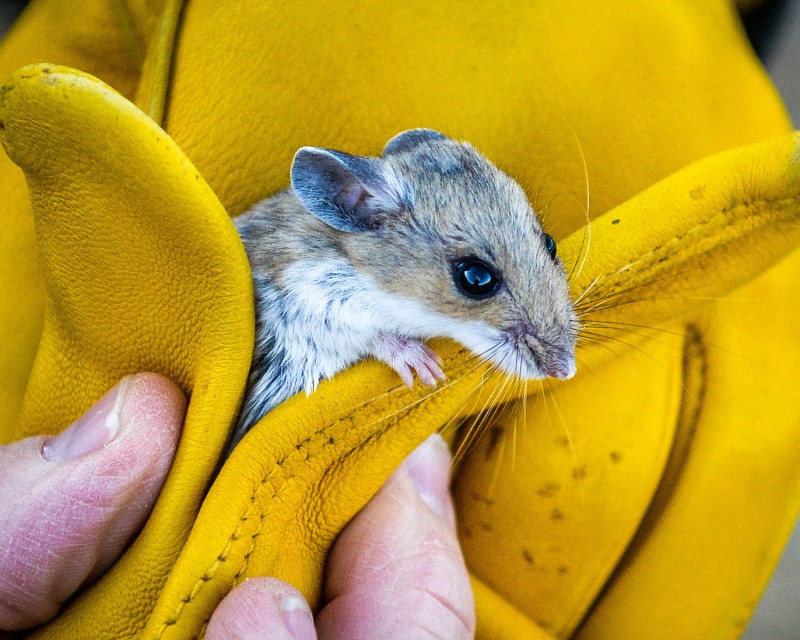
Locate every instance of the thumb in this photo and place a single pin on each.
(69, 504)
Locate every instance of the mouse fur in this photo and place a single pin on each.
(356, 259)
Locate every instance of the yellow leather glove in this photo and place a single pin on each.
(648, 497)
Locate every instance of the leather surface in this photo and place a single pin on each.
(600, 507)
(144, 272)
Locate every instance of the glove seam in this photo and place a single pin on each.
(723, 214)
(209, 574)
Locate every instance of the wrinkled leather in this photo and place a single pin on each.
(606, 506)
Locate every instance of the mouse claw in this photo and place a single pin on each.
(406, 355)
(430, 373)
(405, 372)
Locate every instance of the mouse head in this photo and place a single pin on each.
(453, 244)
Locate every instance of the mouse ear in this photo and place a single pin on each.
(407, 140)
(350, 193)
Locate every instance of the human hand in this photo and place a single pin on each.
(69, 504)
(396, 571)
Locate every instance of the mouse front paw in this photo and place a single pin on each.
(406, 355)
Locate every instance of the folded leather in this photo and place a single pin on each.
(576, 507)
(729, 496)
(143, 272)
(90, 40)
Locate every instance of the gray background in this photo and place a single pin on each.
(776, 35)
(778, 614)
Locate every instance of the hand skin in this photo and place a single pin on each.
(69, 504)
(395, 572)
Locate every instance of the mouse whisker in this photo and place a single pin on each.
(604, 280)
(498, 399)
(482, 417)
(610, 278)
(587, 291)
(587, 229)
(593, 342)
(644, 331)
(548, 390)
(519, 384)
(583, 250)
(628, 345)
(631, 328)
(613, 304)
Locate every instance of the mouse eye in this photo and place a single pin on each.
(550, 245)
(475, 278)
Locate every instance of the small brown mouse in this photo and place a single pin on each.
(368, 257)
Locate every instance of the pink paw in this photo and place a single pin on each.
(406, 355)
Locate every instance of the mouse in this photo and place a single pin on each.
(371, 256)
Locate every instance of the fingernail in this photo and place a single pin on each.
(298, 619)
(92, 431)
(428, 467)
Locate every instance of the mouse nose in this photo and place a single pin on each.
(560, 365)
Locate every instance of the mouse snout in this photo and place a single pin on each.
(545, 359)
(559, 364)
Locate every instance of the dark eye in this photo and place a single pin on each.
(550, 245)
(475, 278)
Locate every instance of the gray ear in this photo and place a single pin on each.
(350, 193)
(407, 140)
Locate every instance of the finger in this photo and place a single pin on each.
(397, 570)
(70, 503)
(262, 609)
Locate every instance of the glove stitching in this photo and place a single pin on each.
(234, 537)
(723, 214)
(327, 442)
(212, 570)
(263, 514)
